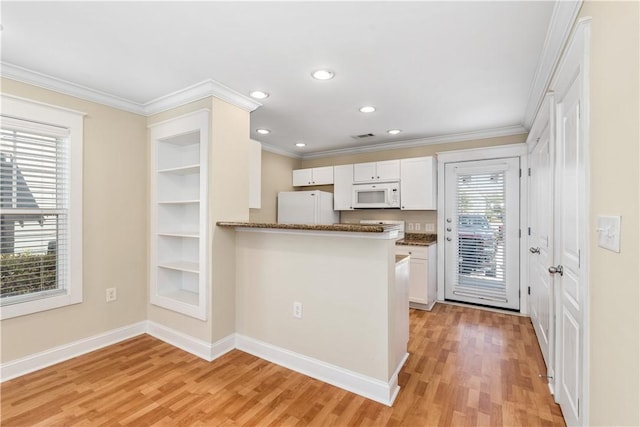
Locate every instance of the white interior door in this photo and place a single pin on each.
(482, 224)
(541, 244)
(570, 238)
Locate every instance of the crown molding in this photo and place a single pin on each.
(444, 139)
(45, 81)
(199, 91)
(175, 99)
(562, 20)
(277, 150)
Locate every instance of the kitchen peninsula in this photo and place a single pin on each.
(329, 301)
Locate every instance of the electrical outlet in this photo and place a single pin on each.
(297, 310)
(410, 225)
(112, 294)
(417, 226)
(430, 227)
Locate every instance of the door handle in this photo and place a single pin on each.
(534, 250)
(557, 270)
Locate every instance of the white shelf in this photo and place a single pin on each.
(179, 255)
(186, 297)
(178, 202)
(182, 170)
(187, 234)
(189, 267)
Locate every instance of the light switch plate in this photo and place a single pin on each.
(429, 227)
(609, 232)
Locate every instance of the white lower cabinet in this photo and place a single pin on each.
(422, 275)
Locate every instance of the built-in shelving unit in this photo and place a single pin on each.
(179, 276)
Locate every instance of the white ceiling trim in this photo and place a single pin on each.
(562, 19)
(181, 97)
(276, 150)
(198, 91)
(45, 81)
(444, 139)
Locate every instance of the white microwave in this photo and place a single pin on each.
(383, 195)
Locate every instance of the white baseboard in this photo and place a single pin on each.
(37, 361)
(371, 388)
(195, 346)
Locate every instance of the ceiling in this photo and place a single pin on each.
(431, 69)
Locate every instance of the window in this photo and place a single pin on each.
(40, 207)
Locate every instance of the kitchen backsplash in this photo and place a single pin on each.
(411, 218)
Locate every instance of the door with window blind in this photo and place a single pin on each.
(482, 211)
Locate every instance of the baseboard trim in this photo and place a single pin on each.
(195, 346)
(37, 361)
(371, 388)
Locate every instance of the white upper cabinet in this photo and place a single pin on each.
(418, 184)
(255, 174)
(342, 183)
(313, 176)
(388, 170)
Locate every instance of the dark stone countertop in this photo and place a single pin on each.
(418, 239)
(352, 228)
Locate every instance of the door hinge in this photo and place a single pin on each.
(578, 407)
(529, 231)
(520, 173)
(528, 290)
(519, 233)
(529, 171)
(579, 257)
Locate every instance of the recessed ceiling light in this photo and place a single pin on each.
(300, 144)
(258, 94)
(367, 109)
(323, 74)
(263, 131)
(394, 131)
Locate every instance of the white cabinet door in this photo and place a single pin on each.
(342, 182)
(418, 183)
(313, 176)
(421, 280)
(255, 174)
(388, 170)
(364, 172)
(322, 176)
(302, 177)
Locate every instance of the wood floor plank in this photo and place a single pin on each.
(467, 367)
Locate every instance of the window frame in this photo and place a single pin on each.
(40, 113)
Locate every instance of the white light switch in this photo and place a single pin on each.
(609, 232)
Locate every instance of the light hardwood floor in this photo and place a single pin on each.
(467, 367)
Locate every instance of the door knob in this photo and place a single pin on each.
(534, 250)
(556, 270)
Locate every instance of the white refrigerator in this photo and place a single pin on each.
(306, 207)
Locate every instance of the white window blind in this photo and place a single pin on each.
(34, 210)
(481, 245)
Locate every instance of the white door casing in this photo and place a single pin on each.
(571, 231)
(541, 243)
(482, 226)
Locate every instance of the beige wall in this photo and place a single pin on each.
(345, 306)
(228, 201)
(614, 278)
(114, 236)
(276, 177)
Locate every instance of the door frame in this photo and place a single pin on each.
(488, 153)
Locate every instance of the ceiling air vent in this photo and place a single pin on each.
(363, 136)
